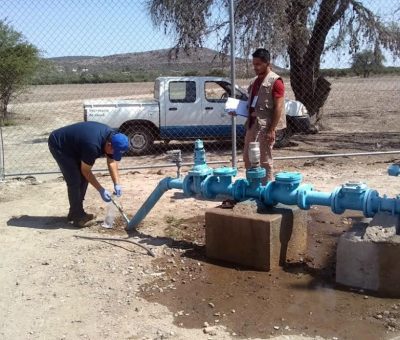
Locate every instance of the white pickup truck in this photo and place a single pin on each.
(183, 108)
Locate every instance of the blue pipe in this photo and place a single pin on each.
(287, 189)
(163, 186)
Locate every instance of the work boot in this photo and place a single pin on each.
(86, 220)
(71, 219)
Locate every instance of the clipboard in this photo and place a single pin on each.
(237, 106)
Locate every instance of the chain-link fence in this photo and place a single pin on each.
(111, 62)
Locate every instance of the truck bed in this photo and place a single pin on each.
(115, 113)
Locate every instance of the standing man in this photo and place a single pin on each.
(266, 110)
(75, 149)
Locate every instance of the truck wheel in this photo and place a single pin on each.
(282, 137)
(141, 140)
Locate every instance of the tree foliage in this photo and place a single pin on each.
(18, 62)
(367, 62)
(302, 31)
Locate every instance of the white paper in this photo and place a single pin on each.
(254, 103)
(237, 106)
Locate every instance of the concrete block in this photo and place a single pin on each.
(368, 256)
(253, 236)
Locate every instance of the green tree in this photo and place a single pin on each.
(367, 62)
(295, 29)
(18, 62)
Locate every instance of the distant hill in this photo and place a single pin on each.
(201, 60)
(147, 66)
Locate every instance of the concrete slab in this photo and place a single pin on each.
(254, 236)
(368, 256)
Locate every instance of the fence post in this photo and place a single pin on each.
(233, 78)
(2, 165)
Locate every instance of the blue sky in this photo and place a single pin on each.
(84, 27)
(103, 27)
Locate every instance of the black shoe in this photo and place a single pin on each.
(71, 219)
(86, 220)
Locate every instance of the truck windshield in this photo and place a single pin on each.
(219, 91)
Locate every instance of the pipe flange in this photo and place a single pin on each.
(225, 172)
(369, 197)
(256, 173)
(186, 186)
(267, 194)
(205, 185)
(239, 189)
(200, 171)
(336, 209)
(303, 191)
(287, 177)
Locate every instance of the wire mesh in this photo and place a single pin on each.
(108, 61)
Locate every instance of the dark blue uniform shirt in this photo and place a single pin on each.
(83, 141)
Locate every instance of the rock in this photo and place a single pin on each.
(233, 311)
(379, 317)
(386, 312)
(210, 331)
(276, 328)
(211, 304)
(206, 324)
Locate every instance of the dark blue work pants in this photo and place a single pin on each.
(76, 183)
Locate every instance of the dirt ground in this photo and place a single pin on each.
(58, 282)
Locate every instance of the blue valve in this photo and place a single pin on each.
(394, 170)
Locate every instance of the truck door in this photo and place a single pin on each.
(183, 113)
(215, 120)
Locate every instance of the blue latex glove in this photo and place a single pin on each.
(118, 190)
(105, 195)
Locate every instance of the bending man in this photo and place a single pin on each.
(75, 149)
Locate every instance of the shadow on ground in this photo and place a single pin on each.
(40, 222)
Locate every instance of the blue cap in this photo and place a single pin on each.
(120, 144)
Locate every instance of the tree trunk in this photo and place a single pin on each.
(312, 91)
(305, 51)
(4, 101)
(3, 112)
